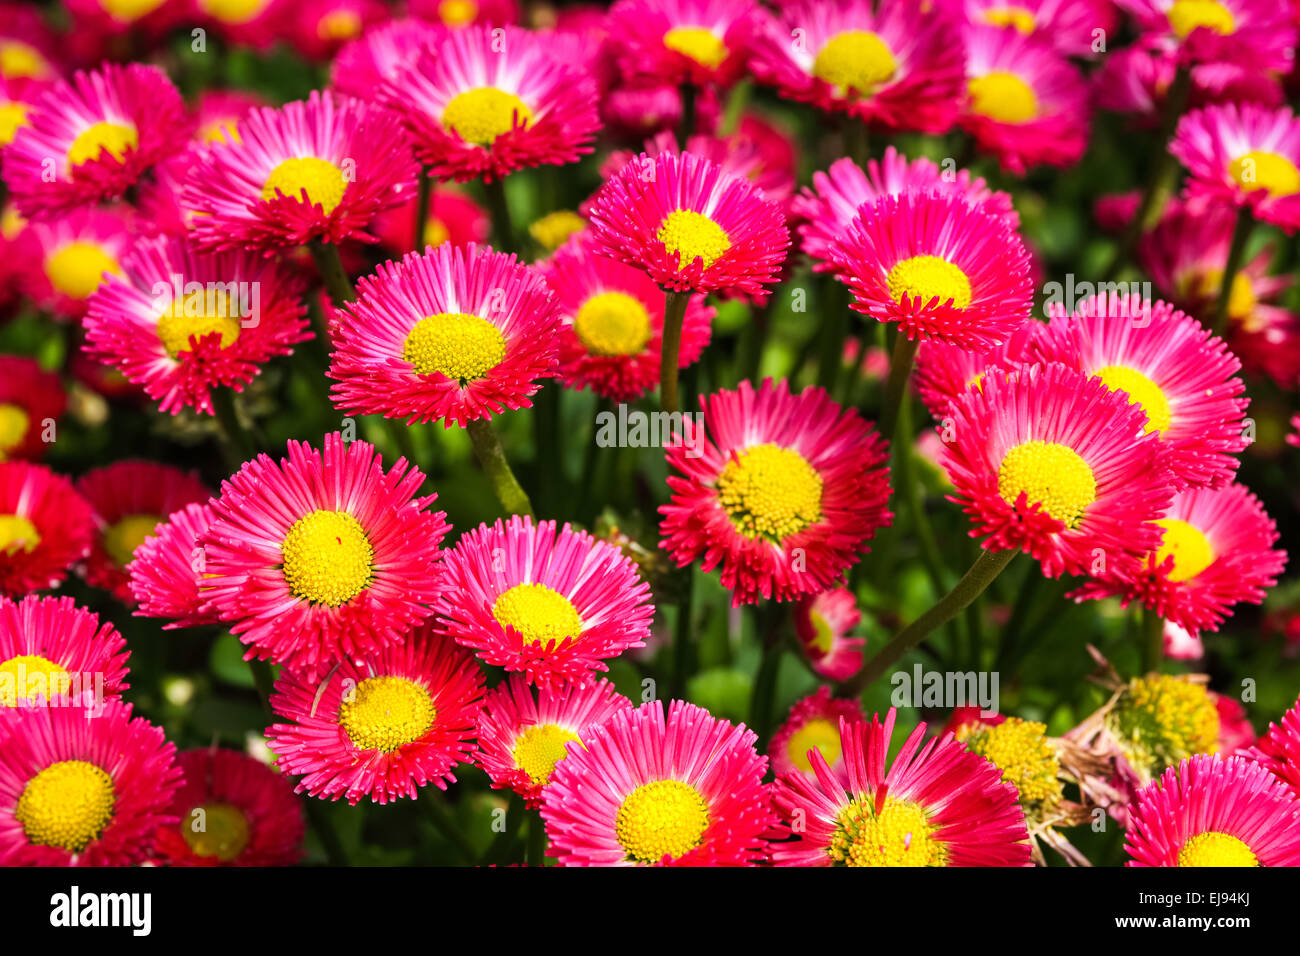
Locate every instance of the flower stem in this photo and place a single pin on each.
(503, 229)
(674, 314)
(446, 824)
(987, 566)
(1236, 254)
(235, 444)
(686, 129)
(493, 459)
(332, 273)
(1153, 640)
(535, 855)
(422, 209)
(900, 367)
(682, 634)
(763, 700)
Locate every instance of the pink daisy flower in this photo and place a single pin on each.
(690, 225)
(483, 102)
(936, 804)
(944, 372)
(703, 42)
(782, 490)
(1244, 156)
(79, 790)
(231, 810)
(1259, 32)
(451, 334)
(50, 647)
(612, 323)
(522, 737)
(159, 209)
(316, 169)
(1170, 366)
(813, 725)
(1214, 811)
(381, 726)
(1279, 749)
(146, 20)
(217, 115)
(1026, 103)
(27, 45)
(382, 53)
(822, 623)
(1068, 25)
(167, 568)
(897, 67)
(462, 13)
(74, 253)
(1137, 80)
(552, 604)
(827, 209)
(129, 500)
(1050, 462)
(938, 266)
(45, 527)
(31, 402)
(452, 218)
(1216, 550)
(324, 556)
(102, 130)
(180, 321)
(634, 112)
(318, 28)
(253, 23)
(645, 791)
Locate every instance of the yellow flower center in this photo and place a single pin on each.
(198, 315)
(112, 138)
(17, 534)
(323, 182)
(77, 268)
(1161, 720)
(1263, 170)
(216, 829)
(693, 236)
(14, 422)
(11, 223)
(327, 558)
(66, 805)
(28, 675)
(770, 492)
(233, 12)
(855, 60)
(816, 734)
(481, 115)
(699, 43)
(1018, 17)
(540, 614)
(20, 61)
(1187, 545)
(1216, 849)
(462, 347)
(1021, 750)
(612, 323)
(1050, 474)
(12, 116)
(823, 636)
(457, 13)
(928, 278)
(539, 748)
(662, 818)
(1002, 96)
(1186, 15)
(435, 232)
(130, 9)
(1142, 392)
(122, 537)
(386, 713)
(554, 228)
(339, 25)
(223, 130)
(899, 835)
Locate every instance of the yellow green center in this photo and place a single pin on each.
(481, 115)
(855, 60)
(612, 323)
(66, 805)
(12, 116)
(19, 60)
(233, 12)
(1216, 849)
(327, 558)
(1186, 15)
(1187, 545)
(123, 536)
(662, 818)
(1050, 474)
(899, 834)
(770, 492)
(457, 13)
(323, 182)
(692, 236)
(14, 422)
(699, 43)
(28, 676)
(464, 348)
(539, 748)
(823, 634)
(76, 269)
(112, 138)
(928, 278)
(1160, 720)
(17, 533)
(817, 734)
(198, 315)
(554, 228)
(130, 9)
(386, 713)
(1142, 392)
(1259, 169)
(435, 232)
(216, 829)
(1027, 759)
(540, 614)
(339, 25)
(1018, 17)
(1002, 96)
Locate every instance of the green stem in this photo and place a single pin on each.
(236, 446)
(535, 855)
(546, 440)
(400, 433)
(907, 483)
(830, 347)
(987, 566)
(900, 367)
(1153, 640)
(682, 646)
(674, 313)
(1236, 255)
(735, 108)
(503, 230)
(332, 273)
(493, 459)
(686, 129)
(318, 815)
(264, 682)
(763, 700)
(446, 824)
(422, 208)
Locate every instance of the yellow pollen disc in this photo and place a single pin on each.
(1216, 849)
(386, 713)
(19, 61)
(323, 181)
(1186, 15)
(223, 130)
(1142, 392)
(457, 13)
(464, 348)
(1263, 170)
(327, 558)
(540, 614)
(130, 9)
(1187, 545)
(693, 236)
(112, 138)
(612, 323)
(233, 12)
(819, 734)
(17, 534)
(1018, 17)
(1002, 96)
(1161, 720)
(662, 818)
(1051, 475)
(539, 748)
(823, 635)
(555, 227)
(12, 116)
(192, 319)
(1021, 750)
(435, 232)
(899, 835)
(216, 829)
(481, 115)
(855, 60)
(28, 676)
(928, 278)
(699, 43)
(77, 268)
(770, 492)
(66, 805)
(339, 25)
(11, 223)
(122, 537)
(14, 422)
